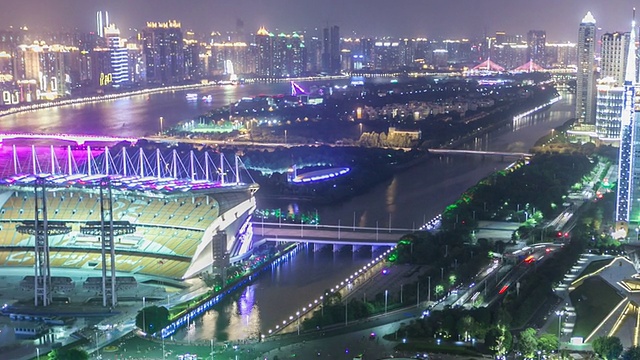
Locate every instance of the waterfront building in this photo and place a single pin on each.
(162, 46)
(119, 56)
(264, 52)
(586, 76)
(627, 204)
(331, 50)
(536, 47)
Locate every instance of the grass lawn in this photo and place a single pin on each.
(594, 266)
(593, 300)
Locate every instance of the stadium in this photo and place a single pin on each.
(171, 214)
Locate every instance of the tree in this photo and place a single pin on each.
(499, 340)
(607, 347)
(548, 342)
(68, 354)
(528, 342)
(631, 353)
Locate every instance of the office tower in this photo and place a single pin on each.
(264, 49)
(613, 56)
(331, 50)
(609, 105)
(536, 45)
(119, 56)
(585, 82)
(102, 21)
(163, 51)
(627, 157)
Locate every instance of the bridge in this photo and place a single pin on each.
(78, 139)
(479, 152)
(322, 235)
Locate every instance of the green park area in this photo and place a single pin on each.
(593, 301)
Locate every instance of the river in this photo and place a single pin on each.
(405, 201)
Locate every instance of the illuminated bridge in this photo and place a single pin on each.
(479, 152)
(78, 139)
(321, 235)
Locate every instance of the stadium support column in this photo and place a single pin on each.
(220, 255)
(41, 231)
(109, 295)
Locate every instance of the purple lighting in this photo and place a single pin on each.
(78, 139)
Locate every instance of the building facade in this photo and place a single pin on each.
(586, 77)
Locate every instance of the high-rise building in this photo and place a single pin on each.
(102, 21)
(609, 104)
(613, 56)
(536, 46)
(331, 50)
(264, 49)
(627, 207)
(163, 51)
(119, 56)
(586, 77)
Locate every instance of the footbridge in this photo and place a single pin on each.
(328, 235)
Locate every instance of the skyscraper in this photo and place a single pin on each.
(264, 56)
(163, 51)
(102, 21)
(119, 55)
(586, 77)
(613, 56)
(331, 50)
(536, 45)
(627, 157)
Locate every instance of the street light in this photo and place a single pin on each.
(559, 313)
(386, 294)
(298, 315)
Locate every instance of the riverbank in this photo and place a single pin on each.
(148, 91)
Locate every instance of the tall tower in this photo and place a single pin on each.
(586, 84)
(536, 47)
(627, 157)
(264, 44)
(119, 55)
(102, 21)
(613, 56)
(162, 46)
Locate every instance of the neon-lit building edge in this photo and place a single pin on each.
(170, 210)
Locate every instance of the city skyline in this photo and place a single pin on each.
(377, 18)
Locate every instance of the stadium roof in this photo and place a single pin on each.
(149, 184)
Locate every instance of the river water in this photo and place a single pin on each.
(405, 201)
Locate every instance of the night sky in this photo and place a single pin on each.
(409, 18)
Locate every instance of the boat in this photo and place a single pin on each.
(207, 98)
(192, 97)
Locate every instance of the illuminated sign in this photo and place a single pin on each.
(105, 79)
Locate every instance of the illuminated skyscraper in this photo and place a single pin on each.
(613, 56)
(102, 21)
(627, 158)
(163, 51)
(119, 55)
(586, 77)
(331, 50)
(536, 46)
(264, 48)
